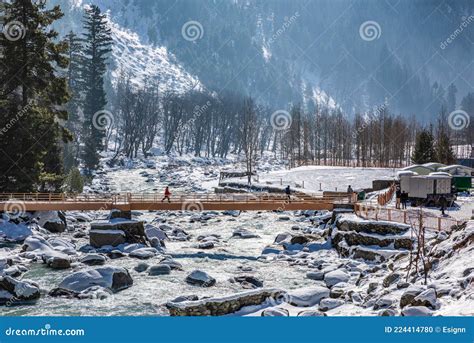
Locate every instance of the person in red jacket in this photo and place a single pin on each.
(167, 195)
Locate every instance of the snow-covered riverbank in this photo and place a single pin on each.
(287, 260)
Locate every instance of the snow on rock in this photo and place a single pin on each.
(417, 311)
(329, 304)
(99, 238)
(351, 222)
(152, 231)
(334, 277)
(36, 247)
(275, 312)
(115, 213)
(426, 298)
(311, 313)
(93, 259)
(11, 232)
(200, 278)
(247, 281)
(53, 221)
(244, 233)
(223, 305)
(307, 296)
(161, 269)
(113, 278)
(409, 295)
(144, 253)
(14, 291)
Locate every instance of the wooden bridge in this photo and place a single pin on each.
(179, 202)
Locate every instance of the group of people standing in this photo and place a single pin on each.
(402, 198)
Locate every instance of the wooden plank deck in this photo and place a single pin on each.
(152, 201)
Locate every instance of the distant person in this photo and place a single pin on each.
(443, 204)
(288, 192)
(404, 199)
(398, 195)
(167, 195)
(350, 191)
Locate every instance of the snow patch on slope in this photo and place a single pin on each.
(144, 61)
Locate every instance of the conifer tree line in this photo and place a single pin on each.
(50, 89)
(56, 117)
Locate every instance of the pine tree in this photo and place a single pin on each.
(444, 151)
(32, 95)
(451, 97)
(74, 183)
(424, 147)
(97, 47)
(76, 86)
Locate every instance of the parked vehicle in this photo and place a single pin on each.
(428, 190)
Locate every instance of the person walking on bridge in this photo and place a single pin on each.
(288, 193)
(167, 195)
(350, 193)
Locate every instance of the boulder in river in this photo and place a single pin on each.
(417, 311)
(311, 313)
(200, 278)
(58, 262)
(329, 304)
(113, 278)
(334, 277)
(116, 213)
(222, 305)
(244, 233)
(93, 259)
(134, 230)
(275, 312)
(15, 233)
(53, 221)
(99, 238)
(143, 253)
(161, 269)
(307, 296)
(14, 291)
(247, 281)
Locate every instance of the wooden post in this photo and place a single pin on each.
(389, 215)
(439, 223)
(404, 217)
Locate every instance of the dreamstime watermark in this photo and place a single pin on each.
(368, 119)
(192, 206)
(464, 24)
(288, 21)
(458, 120)
(370, 30)
(14, 30)
(14, 208)
(15, 119)
(192, 30)
(281, 120)
(45, 331)
(102, 120)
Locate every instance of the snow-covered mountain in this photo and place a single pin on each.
(131, 55)
(308, 52)
(144, 61)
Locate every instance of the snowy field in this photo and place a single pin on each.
(317, 178)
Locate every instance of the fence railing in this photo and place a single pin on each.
(386, 197)
(118, 198)
(410, 217)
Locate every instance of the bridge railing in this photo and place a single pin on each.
(178, 196)
(410, 217)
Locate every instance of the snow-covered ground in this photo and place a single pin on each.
(325, 178)
(303, 269)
